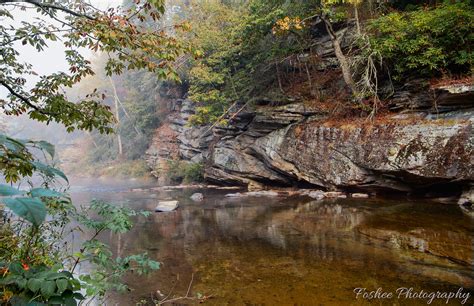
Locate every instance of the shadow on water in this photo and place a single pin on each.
(293, 251)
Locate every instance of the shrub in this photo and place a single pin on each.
(184, 172)
(193, 172)
(426, 42)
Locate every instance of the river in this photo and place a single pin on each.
(291, 251)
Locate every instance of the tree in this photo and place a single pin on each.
(426, 42)
(120, 33)
(343, 62)
(326, 13)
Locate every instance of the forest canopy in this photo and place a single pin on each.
(248, 47)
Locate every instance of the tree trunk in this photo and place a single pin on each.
(278, 77)
(310, 82)
(356, 15)
(117, 115)
(346, 70)
(122, 106)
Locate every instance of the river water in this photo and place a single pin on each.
(292, 251)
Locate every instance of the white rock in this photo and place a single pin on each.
(166, 206)
(318, 194)
(263, 193)
(467, 196)
(360, 195)
(198, 197)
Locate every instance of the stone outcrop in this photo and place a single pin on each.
(298, 145)
(175, 140)
(391, 154)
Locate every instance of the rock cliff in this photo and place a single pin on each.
(427, 149)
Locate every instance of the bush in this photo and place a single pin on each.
(193, 172)
(184, 172)
(426, 42)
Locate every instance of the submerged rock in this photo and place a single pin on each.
(166, 206)
(198, 197)
(263, 193)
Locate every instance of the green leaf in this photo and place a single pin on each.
(31, 209)
(34, 284)
(12, 144)
(15, 268)
(62, 285)
(49, 171)
(79, 296)
(56, 300)
(43, 192)
(47, 147)
(76, 285)
(70, 302)
(154, 265)
(21, 282)
(6, 190)
(48, 288)
(8, 280)
(66, 274)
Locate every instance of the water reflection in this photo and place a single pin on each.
(275, 251)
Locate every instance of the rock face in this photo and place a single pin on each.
(390, 154)
(424, 145)
(174, 140)
(298, 145)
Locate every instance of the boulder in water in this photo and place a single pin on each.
(263, 193)
(316, 194)
(166, 206)
(198, 197)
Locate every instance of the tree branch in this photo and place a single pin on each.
(50, 6)
(19, 96)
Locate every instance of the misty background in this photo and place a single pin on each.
(135, 98)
